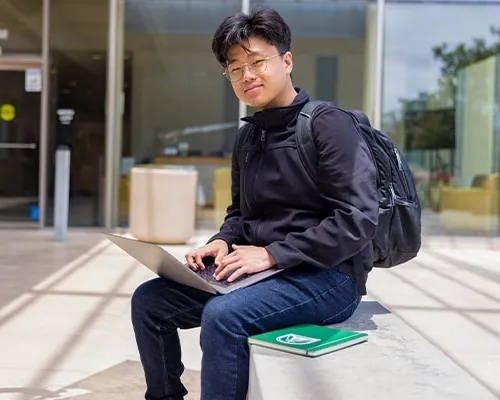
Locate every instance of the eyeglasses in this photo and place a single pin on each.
(257, 67)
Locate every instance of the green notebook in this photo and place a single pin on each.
(308, 340)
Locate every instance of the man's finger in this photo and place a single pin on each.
(198, 259)
(190, 261)
(236, 274)
(230, 258)
(193, 267)
(227, 260)
(226, 271)
(218, 257)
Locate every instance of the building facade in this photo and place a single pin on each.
(144, 87)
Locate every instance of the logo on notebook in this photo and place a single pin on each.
(292, 338)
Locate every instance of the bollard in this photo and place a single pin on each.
(61, 193)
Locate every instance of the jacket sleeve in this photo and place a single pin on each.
(230, 231)
(347, 180)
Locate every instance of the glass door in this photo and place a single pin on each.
(19, 142)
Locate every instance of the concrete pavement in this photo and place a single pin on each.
(451, 296)
(68, 335)
(65, 330)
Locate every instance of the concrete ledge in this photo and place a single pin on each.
(395, 363)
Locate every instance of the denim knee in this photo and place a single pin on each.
(217, 312)
(141, 300)
(219, 318)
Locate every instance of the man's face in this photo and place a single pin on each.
(255, 88)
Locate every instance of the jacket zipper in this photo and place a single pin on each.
(245, 191)
(263, 146)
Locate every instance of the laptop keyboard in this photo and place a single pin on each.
(208, 275)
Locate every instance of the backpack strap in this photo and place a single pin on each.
(309, 158)
(360, 117)
(304, 134)
(304, 137)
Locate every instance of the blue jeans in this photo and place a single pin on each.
(159, 307)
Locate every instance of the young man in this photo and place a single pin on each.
(318, 233)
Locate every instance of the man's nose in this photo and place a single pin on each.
(248, 74)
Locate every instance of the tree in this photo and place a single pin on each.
(453, 60)
(434, 128)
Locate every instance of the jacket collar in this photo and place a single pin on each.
(279, 118)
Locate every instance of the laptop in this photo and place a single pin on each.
(162, 263)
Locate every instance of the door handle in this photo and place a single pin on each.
(17, 146)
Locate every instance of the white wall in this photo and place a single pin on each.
(475, 119)
(350, 58)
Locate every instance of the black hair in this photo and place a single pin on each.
(238, 28)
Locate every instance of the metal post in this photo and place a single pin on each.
(61, 193)
(62, 174)
(245, 6)
(379, 63)
(111, 109)
(44, 116)
(120, 100)
(242, 111)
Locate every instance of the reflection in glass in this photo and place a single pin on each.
(20, 59)
(78, 53)
(441, 96)
(331, 44)
(20, 27)
(182, 109)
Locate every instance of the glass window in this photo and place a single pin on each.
(179, 108)
(78, 58)
(20, 99)
(330, 45)
(440, 103)
(20, 27)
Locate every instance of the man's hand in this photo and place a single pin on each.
(244, 260)
(217, 249)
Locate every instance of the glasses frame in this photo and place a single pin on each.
(247, 66)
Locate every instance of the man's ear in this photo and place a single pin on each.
(288, 59)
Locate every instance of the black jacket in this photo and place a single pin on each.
(276, 205)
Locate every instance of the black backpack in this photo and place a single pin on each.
(398, 236)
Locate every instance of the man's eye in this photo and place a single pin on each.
(236, 69)
(258, 62)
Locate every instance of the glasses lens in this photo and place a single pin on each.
(258, 66)
(233, 74)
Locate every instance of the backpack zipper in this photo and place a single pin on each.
(402, 174)
(398, 157)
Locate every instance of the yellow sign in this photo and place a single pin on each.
(7, 112)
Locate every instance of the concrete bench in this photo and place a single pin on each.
(395, 363)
